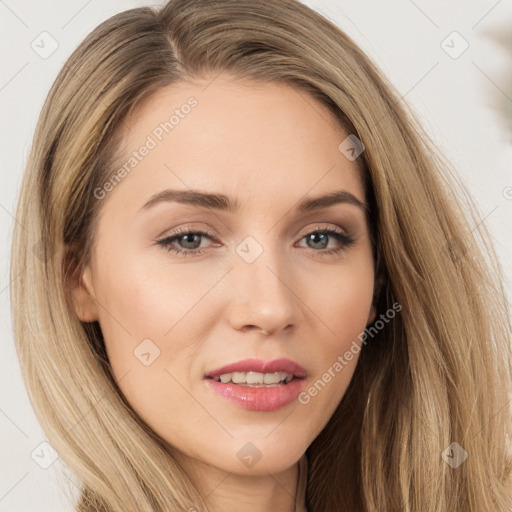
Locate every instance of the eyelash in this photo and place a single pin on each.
(166, 243)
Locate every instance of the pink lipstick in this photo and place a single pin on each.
(258, 385)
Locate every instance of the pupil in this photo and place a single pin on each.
(187, 240)
(324, 237)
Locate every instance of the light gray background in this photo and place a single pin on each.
(465, 103)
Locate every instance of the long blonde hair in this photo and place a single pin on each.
(439, 373)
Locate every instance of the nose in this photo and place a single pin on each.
(264, 298)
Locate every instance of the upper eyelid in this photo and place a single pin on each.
(206, 232)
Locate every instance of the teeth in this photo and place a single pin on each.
(255, 378)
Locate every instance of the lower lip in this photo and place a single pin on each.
(259, 399)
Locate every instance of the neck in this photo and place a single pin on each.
(230, 492)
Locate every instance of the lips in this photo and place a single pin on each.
(258, 365)
(263, 397)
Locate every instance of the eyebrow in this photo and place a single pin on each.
(225, 203)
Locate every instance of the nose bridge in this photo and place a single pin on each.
(264, 296)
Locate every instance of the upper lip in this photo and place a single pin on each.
(258, 365)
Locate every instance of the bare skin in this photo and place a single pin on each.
(268, 147)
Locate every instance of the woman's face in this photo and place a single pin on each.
(260, 285)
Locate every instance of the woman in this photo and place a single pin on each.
(256, 288)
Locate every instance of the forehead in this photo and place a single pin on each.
(224, 135)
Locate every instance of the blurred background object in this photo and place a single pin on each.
(500, 98)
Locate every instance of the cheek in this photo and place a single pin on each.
(149, 347)
(344, 305)
(140, 300)
(153, 330)
(344, 308)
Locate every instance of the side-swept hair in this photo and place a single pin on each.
(439, 373)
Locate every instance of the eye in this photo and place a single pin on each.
(191, 241)
(319, 239)
(188, 243)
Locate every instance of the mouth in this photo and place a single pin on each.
(258, 371)
(255, 379)
(258, 385)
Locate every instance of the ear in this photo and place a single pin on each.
(79, 285)
(380, 282)
(372, 315)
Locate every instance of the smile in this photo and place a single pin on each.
(256, 378)
(258, 385)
